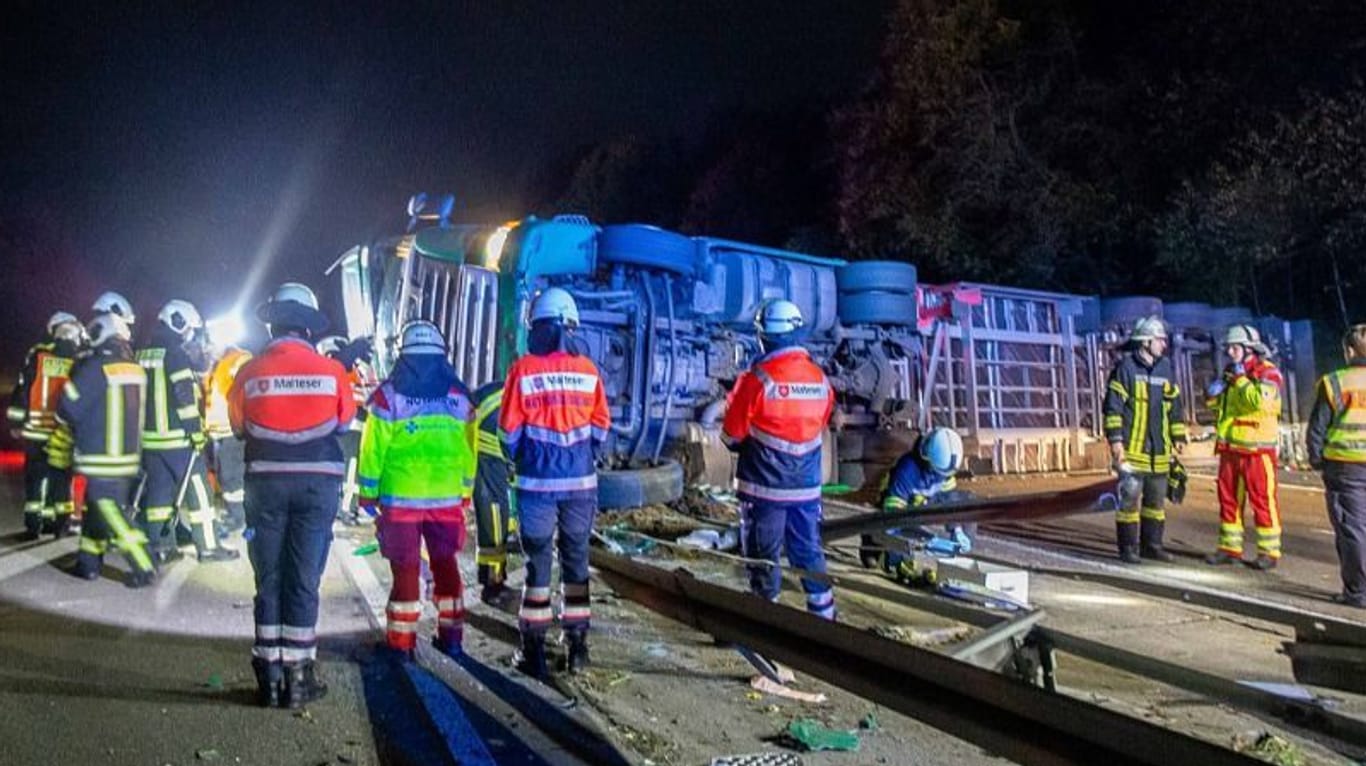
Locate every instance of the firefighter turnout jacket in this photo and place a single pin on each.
(172, 420)
(417, 453)
(554, 415)
(100, 415)
(216, 387)
(289, 403)
(1143, 412)
(34, 402)
(1337, 424)
(1248, 410)
(777, 414)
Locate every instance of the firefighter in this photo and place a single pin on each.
(47, 489)
(1144, 428)
(925, 475)
(172, 442)
(554, 419)
(417, 468)
(493, 517)
(99, 435)
(110, 302)
(1336, 440)
(1246, 401)
(290, 403)
(355, 358)
(775, 418)
(225, 449)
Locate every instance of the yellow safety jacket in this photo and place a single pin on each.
(216, 387)
(1345, 391)
(1248, 411)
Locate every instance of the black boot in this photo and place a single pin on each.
(139, 578)
(219, 554)
(1151, 547)
(88, 566)
(270, 682)
(1126, 538)
(302, 684)
(33, 527)
(62, 526)
(530, 659)
(577, 659)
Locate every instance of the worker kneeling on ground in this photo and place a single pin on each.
(1247, 404)
(1336, 440)
(554, 419)
(417, 469)
(777, 413)
(1144, 428)
(924, 476)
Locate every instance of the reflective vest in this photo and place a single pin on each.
(417, 454)
(289, 404)
(1248, 411)
(172, 393)
(912, 483)
(1345, 391)
(216, 387)
(101, 412)
(554, 413)
(776, 417)
(36, 394)
(1143, 412)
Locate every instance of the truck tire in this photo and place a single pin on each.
(637, 244)
(638, 487)
(876, 276)
(882, 308)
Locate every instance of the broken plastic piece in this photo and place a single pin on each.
(815, 737)
(366, 550)
(769, 686)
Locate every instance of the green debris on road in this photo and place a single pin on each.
(215, 682)
(812, 735)
(366, 550)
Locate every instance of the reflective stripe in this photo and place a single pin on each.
(558, 381)
(400, 626)
(281, 466)
(533, 484)
(776, 493)
(783, 445)
(1154, 514)
(1127, 517)
(576, 613)
(269, 632)
(295, 633)
(563, 439)
(536, 593)
(267, 653)
(324, 428)
(298, 654)
(422, 503)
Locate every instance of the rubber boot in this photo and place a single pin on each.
(1151, 547)
(270, 682)
(33, 527)
(530, 659)
(1221, 558)
(1264, 562)
(302, 684)
(62, 526)
(140, 579)
(578, 658)
(1126, 538)
(88, 566)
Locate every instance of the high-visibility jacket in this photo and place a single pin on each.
(554, 414)
(172, 393)
(776, 416)
(1143, 412)
(100, 415)
(417, 454)
(1337, 424)
(216, 387)
(289, 404)
(1248, 411)
(912, 483)
(34, 402)
(488, 399)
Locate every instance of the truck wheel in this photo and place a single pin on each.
(882, 308)
(851, 475)
(876, 276)
(637, 244)
(638, 487)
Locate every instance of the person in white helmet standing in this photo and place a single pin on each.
(173, 439)
(111, 302)
(553, 420)
(776, 417)
(290, 403)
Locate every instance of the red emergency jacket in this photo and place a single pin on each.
(554, 415)
(289, 404)
(777, 415)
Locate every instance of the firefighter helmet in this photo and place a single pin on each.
(181, 316)
(422, 337)
(111, 302)
(555, 304)
(1246, 335)
(298, 293)
(1149, 328)
(60, 318)
(106, 327)
(295, 306)
(942, 450)
(778, 317)
(1354, 342)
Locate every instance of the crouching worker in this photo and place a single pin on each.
(417, 469)
(924, 476)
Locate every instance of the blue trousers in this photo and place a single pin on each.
(768, 528)
(542, 514)
(289, 518)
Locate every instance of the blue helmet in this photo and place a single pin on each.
(942, 451)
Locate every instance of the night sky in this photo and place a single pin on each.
(159, 150)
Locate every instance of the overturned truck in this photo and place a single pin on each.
(669, 319)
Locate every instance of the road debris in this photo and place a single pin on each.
(814, 736)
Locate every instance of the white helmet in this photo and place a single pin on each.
(106, 327)
(294, 291)
(557, 304)
(1149, 328)
(942, 450)
(60, 318)
(112, 303)
(778, 317)
(422, 337)
(181, 316)
(331, 344)
(1247, 336)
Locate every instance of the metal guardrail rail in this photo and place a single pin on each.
(1006, 717)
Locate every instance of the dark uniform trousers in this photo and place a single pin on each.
(542, 516)
(229, 466)
(1345, 485)
(105, 524)
(165, 471)
(47, 490)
